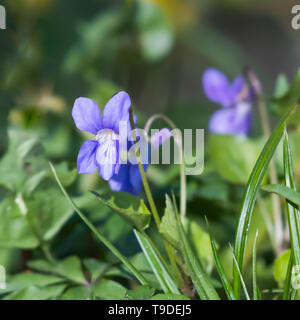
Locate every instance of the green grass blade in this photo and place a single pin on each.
(202, 283)
(158, 267)
(256, 292)
(287, 192)
(292, 212)
(288, 279)
(250, 195)
(226, 283)
(241, 276)
(98, 235)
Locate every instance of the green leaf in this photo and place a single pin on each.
(256, 292)
(36, 279)
(292, 210)
(170, 297)
(293, 217)
(24, 156)
(287, 292)
(241, 277)
(96, 268)
(29, 214)
(69, 268)
(201, 242)
(226, 283)
(14, 229)
(37, 293)
(155, 261)
(281, 266)
(281, 86)
(140, 293)
(199, 238)
(76, 293)
(289, 97)
(23, 280)
(200, 280)
(232, 165)
(286, 192)
(25, 221)
(130, 208)
(66, 176)
(141, 263)
(250, 195)
(49, 211)
(109, 290)
(168, 226)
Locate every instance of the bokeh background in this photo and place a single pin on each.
(55, 51)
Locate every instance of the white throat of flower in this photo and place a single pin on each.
(107, 137)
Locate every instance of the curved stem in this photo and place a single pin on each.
(178, 140)
(169, 249)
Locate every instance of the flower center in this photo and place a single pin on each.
(107, 136)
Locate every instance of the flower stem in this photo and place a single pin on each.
(178, 140)
(169, 249)
(278, 232)
(98, 235)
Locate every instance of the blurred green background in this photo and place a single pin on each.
(55, 51)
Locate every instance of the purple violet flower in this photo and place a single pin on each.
(235, 116)
(104, 153)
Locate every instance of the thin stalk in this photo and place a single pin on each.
(98, 235)
(182, 163)
(169, 249)
(278, 226)
(240, 275)
(256, 295)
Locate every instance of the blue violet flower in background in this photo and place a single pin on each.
(235, 116)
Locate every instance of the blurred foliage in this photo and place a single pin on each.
(55, 51)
